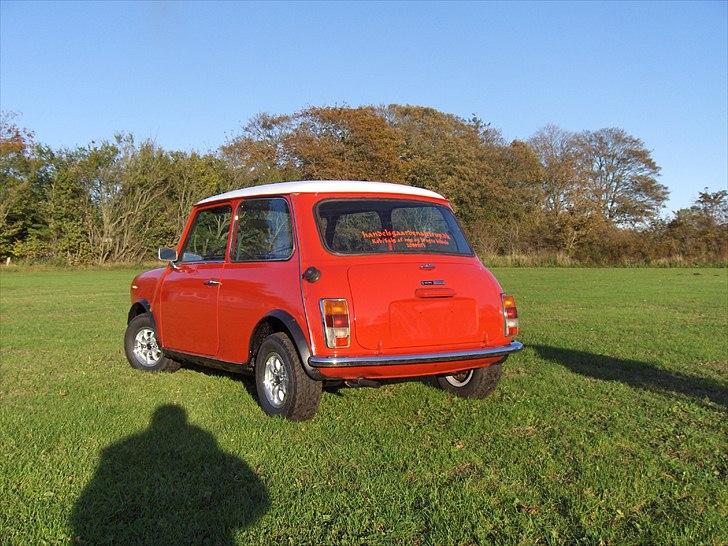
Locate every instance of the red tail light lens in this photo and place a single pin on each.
(510, 315)
(335, 313)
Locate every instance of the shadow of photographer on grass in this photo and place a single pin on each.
(635, 374)
(170, 484)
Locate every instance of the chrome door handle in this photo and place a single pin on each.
(211, 282)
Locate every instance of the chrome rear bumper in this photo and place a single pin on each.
(424, 358)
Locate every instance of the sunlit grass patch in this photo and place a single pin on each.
(610, 427)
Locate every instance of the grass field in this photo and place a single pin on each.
(609, 428)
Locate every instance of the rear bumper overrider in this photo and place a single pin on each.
(424, 358)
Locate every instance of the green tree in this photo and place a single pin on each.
(262, 154)
(25, 170)
(67, 209)
(315, 144)
(441, 152)
(191, 178)
(621, 176)
(699, 233)
(345, 144)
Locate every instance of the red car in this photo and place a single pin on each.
(308, 283)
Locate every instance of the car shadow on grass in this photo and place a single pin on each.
(636, 374)
(170, 484)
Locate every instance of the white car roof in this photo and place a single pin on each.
(323, 186)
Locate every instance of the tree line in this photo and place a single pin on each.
(590, 197)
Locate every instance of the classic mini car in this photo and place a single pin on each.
(308, 283)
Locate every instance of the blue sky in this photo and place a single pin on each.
(189, 74)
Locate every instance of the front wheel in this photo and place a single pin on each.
(475, 383)
(283, 387)
(142, 348)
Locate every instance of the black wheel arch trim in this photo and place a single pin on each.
(299, 340)
(147, 309)
(144, 304)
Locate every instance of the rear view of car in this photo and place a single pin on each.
(405, 295)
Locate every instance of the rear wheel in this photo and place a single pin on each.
(475, 383)
(142, 348)
(283, 387)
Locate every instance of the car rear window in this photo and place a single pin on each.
(385, 226)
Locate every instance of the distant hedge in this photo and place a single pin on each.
(559, 198)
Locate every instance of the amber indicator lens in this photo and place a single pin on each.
(510, 315)
(336, 322)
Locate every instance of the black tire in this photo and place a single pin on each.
(138, 324)
(301, 394)
(475, 383)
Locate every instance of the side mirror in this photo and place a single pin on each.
(167, 254)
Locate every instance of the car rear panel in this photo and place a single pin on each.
(423, 304)
(399, 304)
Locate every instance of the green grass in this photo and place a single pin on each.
(609, 428)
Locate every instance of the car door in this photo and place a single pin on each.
(261, 274)
(189, 293)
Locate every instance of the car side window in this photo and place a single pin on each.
(208, 237)
(263, 231)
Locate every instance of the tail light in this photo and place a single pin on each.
(335, 313)
(510, 315)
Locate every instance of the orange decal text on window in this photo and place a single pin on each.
(410, 238)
